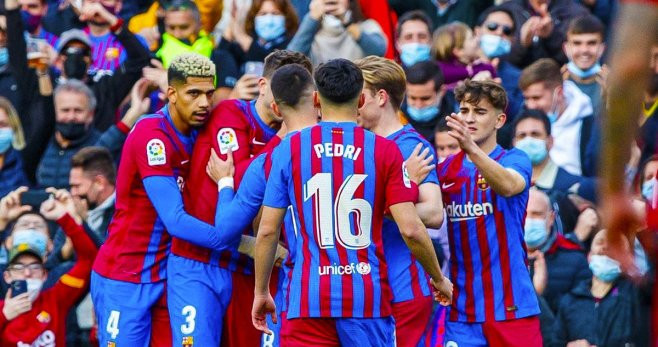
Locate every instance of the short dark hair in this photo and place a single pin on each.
(425, 71)
(184, 5)
(442, 126)
(95, 161)
(533, 114)
(473, 91)
(483, 16)
(282, 57)
(339, 81)
(414, 15)
(544, 70)
(289, 83)
(587, 24)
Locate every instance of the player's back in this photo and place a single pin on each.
(138, 244)
(339, 179)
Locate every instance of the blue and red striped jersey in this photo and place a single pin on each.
(407, 277)
(338, 178)
(488, 263)
(234, 125)
(49, 37)
(107, 53)
(137, 246)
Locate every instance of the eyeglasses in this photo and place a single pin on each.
(35, 268)
(507, 30)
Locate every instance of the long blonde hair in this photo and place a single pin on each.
(14, 122)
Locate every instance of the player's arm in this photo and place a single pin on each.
(503, 181)
(430, 205)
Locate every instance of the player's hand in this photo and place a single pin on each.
(246, 88)
(281, 255)
(11, 208)
(459, 130)
(263, 305)
(419, 164)
(16, 306)
(443, 291)
(217, 168)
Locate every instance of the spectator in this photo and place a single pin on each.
(413, 38)
(50, 306)
(427, 100)
(457, 51)
(584, 48)
(532, 135)
(647, 177)
(8, 87)
(183, 32)
(12, 141)
(442, 12)
(570, 113)
(495, 32)
(269, 25)
(648, 141)
(564, 261)
(444, 144)
(543, 26)
(74, 44)
(337, 29)
(32, 11)
(603, 311)
(92, 180)
(74, 109)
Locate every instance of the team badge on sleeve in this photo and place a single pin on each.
(155, 152)
(227, 139)
(405, 176)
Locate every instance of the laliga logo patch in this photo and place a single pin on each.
(482, 183)
(188, 341)
(363, 268)
(405, 176)
(227, 139)
(155, 152)
(43, 317)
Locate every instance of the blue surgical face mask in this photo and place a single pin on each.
(412, 53)
(6, 138)
(423, 114)
(604, 268)
(571, 66)
(270, 26)
(494, 46)
(535, 232)
(534, 148)
(4, 56)
(647, 189)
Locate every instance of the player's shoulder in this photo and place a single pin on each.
(232, 110)
(152, 125)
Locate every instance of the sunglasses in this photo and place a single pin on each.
(493, 26)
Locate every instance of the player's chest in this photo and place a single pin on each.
(467, 196)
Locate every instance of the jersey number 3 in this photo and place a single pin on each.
(334, 217)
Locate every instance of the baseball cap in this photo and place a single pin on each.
(27, 241)
(72, 35)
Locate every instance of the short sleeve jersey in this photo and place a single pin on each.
(338, 179)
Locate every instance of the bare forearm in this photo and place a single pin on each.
(421, 247)
(502, 181)
(430, 205)
(627, 82)
(264, 251)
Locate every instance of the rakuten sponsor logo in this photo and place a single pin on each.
(340, 270)
(468, 211)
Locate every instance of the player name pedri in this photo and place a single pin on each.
(329, 149)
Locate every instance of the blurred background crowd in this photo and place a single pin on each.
(76, 75)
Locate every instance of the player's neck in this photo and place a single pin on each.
(301, 119)
(265, 114)
(489, 144)
(388, 124)
(178, 121)
(331, 113)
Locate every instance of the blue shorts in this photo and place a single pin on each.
(128, 312)
(320, 332)
(198, 295)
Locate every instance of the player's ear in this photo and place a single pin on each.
(362, 99)
(172, 96)
(275, 109)
(500, 120)
(316, 99)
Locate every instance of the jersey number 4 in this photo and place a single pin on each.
(334, 217)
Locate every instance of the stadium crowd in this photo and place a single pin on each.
(77, 76)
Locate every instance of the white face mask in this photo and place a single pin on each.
(332, 23)
(34, 286)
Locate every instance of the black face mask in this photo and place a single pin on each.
(75, 65)
(71, 131)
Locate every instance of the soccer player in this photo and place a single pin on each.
(339, 179)
(128, 279)
(292, 89)
(242, 128)
(485, 191)
(385, 83)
